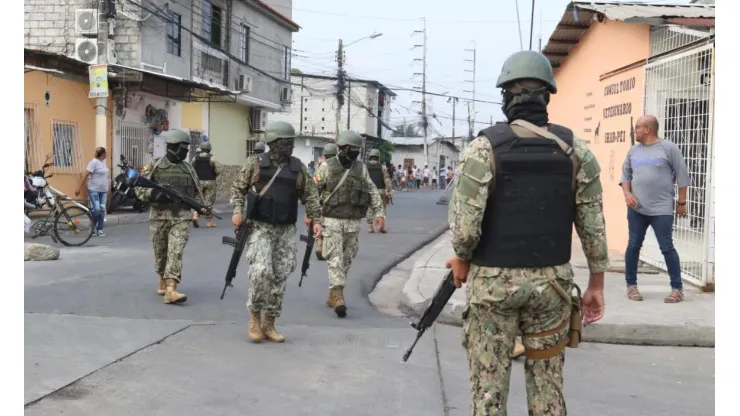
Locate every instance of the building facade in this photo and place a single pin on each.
(366, 109)
(666, 71)
(237, 52)
(409, 151)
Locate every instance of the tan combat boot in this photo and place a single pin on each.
(340, 308)
(370, 228)
(195, 220)
(255, 333)
(331, 299)
(210, 223)
(382, 228)
(171, 295)
(268, 328)
(162, 286)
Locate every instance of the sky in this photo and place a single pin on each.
(391, 59)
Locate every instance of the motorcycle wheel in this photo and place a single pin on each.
(116, 200)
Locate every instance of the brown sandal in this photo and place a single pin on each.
(675, 296)
(633, 293)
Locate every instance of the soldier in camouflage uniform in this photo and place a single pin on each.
(259, 147)
(168, 221)
(280, 180)
(379, 174)
(511, 217)
(346, 194)
(208, 170)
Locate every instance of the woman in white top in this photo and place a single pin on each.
(96, 176)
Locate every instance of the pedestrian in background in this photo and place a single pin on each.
(97, 178)
(649, 172)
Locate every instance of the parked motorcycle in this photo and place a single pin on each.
(67, 221)
(124, 194)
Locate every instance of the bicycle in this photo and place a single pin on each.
(51, 226)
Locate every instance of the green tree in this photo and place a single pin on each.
(386, 151)
(296, 71)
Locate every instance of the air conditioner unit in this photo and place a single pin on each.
(244, 83)
(86, 22)
(286, 95)
(86, 50)
(258, 119)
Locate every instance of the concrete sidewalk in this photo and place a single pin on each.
(650, 322)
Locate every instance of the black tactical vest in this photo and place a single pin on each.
(279, 205)
(376, 174)
(203, 168)
(528, 221)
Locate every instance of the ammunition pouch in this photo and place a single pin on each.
(574, 323)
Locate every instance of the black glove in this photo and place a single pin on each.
(158, 196)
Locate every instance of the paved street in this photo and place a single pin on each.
(98, 340)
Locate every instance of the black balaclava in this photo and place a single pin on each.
(282, 148)
(347, 156)
(529, 105)
(177, 152)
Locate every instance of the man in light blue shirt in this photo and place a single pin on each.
(651, 168)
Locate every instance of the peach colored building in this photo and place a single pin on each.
(616, 62)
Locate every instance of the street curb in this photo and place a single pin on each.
(413, 304)
(367, 289)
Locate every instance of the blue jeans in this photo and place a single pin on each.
(97, 203)
(663, 227)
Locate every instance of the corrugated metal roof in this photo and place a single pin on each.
(579, 15)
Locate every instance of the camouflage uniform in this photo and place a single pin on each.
(271, 248)
(341, 235)
(209, 187)
(167, 226)
(385, 194)
(502, 300)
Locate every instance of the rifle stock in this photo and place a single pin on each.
(238, 242)
(144, 182)
(309, 240)
(444, 291)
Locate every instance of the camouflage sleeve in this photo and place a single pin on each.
(376, 203)
(310, 196)
(241, 185)
(319, 178)
(145, 193)
(387, 179)
(468, 201)
(217, 166)
(589, 222)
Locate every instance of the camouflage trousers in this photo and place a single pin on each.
(500, 303)
(209, 194)
(341, 243)
(384, 197)
(169, 238)
(271, 254)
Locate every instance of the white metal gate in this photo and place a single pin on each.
(679, 91)
(135, 143)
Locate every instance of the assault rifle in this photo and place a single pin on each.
(144, 182)
(240, 241)
(309, 240)
(441, 296)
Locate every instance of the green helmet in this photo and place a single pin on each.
(176, 136)
(349, 138)
(205, 146)
(278, 130)
(527, 65)
(330, 149)
(259, 146)
(374, 153)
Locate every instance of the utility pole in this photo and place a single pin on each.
(519, 23)
(531, 26)
(101, 103)
(300, 129)
(424, 121)
(340, 86)
(471, 113)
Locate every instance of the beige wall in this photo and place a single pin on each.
(228, 128)
(70, 105)
(601, 102)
